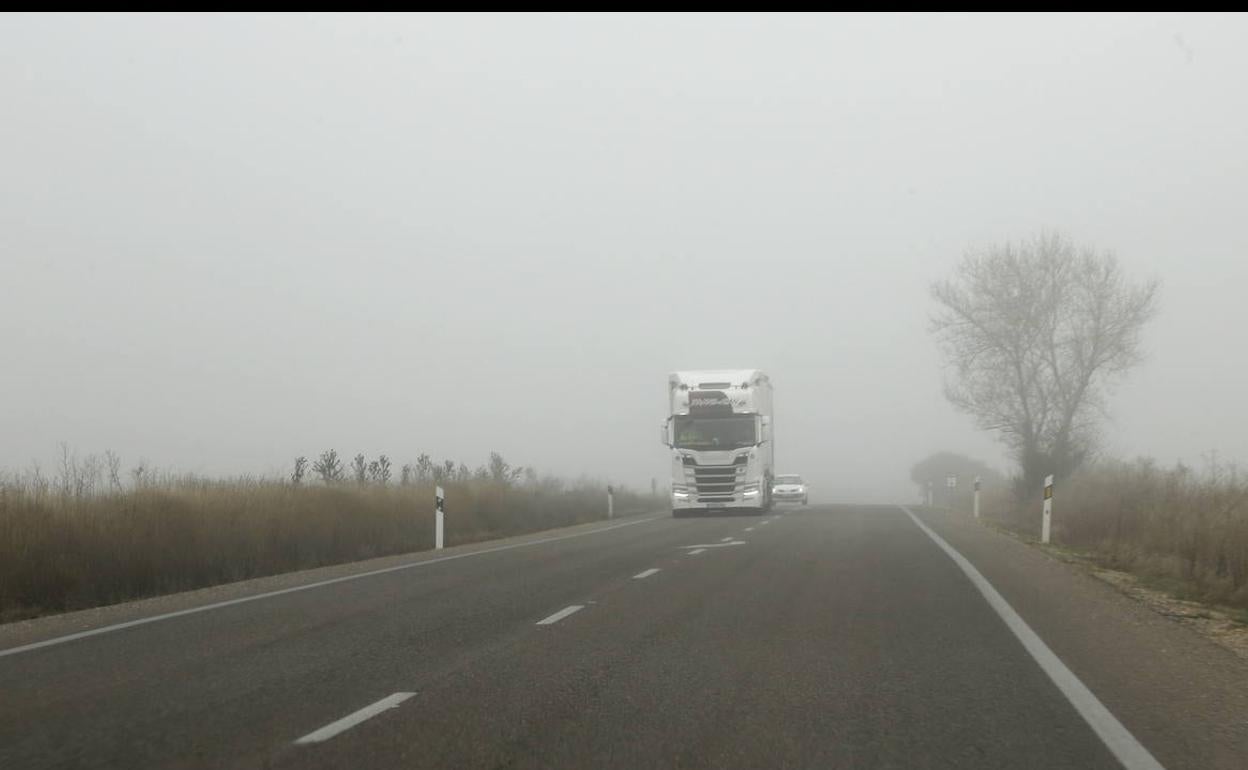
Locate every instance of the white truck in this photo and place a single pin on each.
(719, 434)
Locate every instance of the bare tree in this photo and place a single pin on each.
(500, 469)
(69, 470)
(301, 467)
(39, 483)
(379, 470)
(424, 467)
(79, 478)
(114, 470)
(142, 474)
(445, 471)
(91, 475)
(328, 467)
(1034, 335)
(359, 469)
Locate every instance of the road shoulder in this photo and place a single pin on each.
(1182, 695)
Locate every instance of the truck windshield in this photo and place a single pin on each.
(714, 432)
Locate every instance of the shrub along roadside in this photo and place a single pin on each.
(1174, 527)
(67, 546)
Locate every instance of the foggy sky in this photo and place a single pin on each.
(229, 240)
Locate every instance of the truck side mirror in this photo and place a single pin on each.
(664, 436)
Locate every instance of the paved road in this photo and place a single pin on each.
(824, 637)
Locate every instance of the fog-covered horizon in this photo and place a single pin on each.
(229, 240)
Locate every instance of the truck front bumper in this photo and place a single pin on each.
(689, 502)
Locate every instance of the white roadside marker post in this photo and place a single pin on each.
(1047, 524)
(439, 516)
(610, 502)
(977, 497)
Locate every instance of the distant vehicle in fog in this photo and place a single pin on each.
(790, 488)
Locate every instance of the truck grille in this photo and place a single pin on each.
(715, 483)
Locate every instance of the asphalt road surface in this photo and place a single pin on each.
(820, 637)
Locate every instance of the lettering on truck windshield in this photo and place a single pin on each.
(708, 403)
(703, 401)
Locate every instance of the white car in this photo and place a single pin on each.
(790, 489)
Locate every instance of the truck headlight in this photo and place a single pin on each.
(750, 490)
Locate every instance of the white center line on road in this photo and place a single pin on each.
(1130, 752)
(561, 614)
(697, 551)
(307, 587)
(351, 720)
(646, 574)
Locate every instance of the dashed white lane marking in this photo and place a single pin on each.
(351, 720)
(697, 551)
(561, 614)
(308, 587)
(1130, 752)
(749, 529)
(726, 539)
(646, 574)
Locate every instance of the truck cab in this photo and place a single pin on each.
(720, 438)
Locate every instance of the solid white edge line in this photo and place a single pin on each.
(646, 574)
(696, 551)
(1121, 743)
(351, 720)
(561, 614)
(294, 589)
